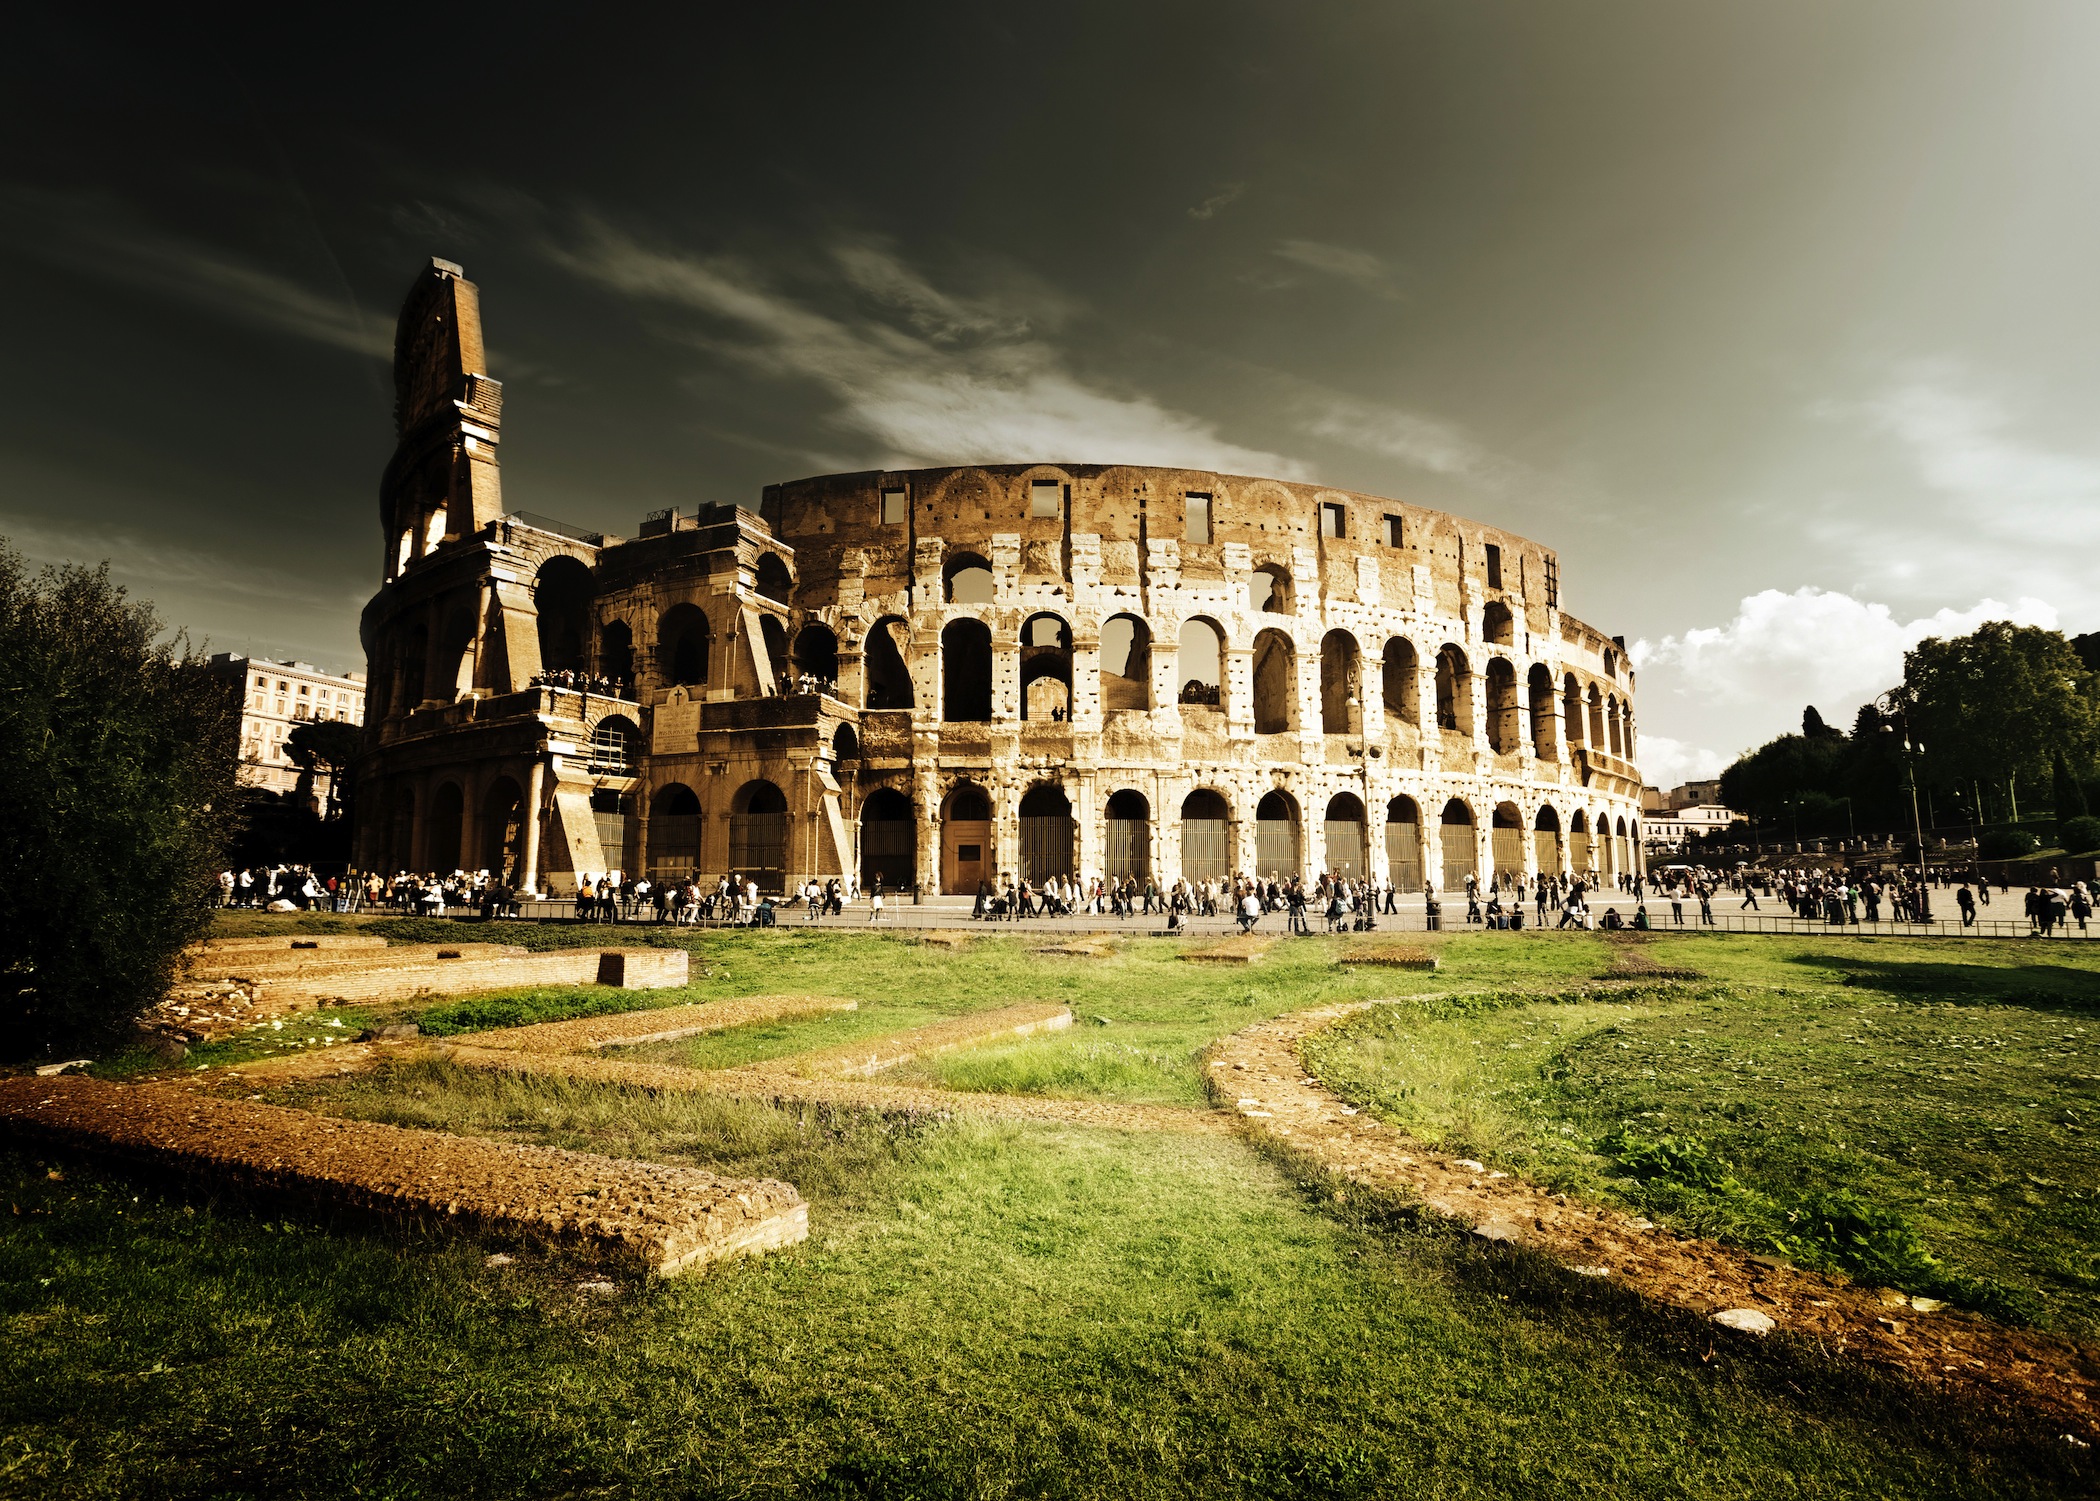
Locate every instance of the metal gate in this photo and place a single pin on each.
(758, 849)
(889, 849)
(1275, 848)
(674, 845)
(1508, 847)
(1345, 848)
(1206, 849)
(1459, 856)
(1129, 848)
(1046, 847)
(1403, 856)
(1546, 844)
(1579, 852)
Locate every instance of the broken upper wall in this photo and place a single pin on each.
(1331, 544)
(443, 482)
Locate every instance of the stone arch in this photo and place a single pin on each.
(1276, 842)
(561, 600)
(817, 652)
(1545, 840)
(1506, 842)
(1571, 710)
(1344, 830)
(685, 642)
(415, 660)
(1199, 662)
(1046, 833)
(1461, 859)
(1578, 841)
(1401, 668)
(1454, 691)
(1403, 844)
(966, 839)
(1498, 626)
(774, 635)
(966, 671)
(758, 834)
(1275, 684)
(966, 579)
(401, 829)
(1596, 718)
(1127, 845)
(1269, 590)
(454, 668)
(1206, 836)
(1503, 712)
(448, 806)
(616, 653)
(674, 832)
(772, 578)
(889, 840)
(845, 743)
(1544, 740)
(1341, 685)
(1046, 668)
(882, 667)
(616, 746)
(1611, 726)
(1126, 664)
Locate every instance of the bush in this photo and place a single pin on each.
(117, 798)
(2081, 834)
(2007, 844)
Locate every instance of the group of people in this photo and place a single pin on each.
(584, 682)
(791, 683)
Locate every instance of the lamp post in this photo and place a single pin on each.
(1893, 711)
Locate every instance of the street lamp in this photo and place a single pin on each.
(1892, 715)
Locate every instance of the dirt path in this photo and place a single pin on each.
(1259, 1076)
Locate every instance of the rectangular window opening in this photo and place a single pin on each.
(1494, 566)
(1553, 582)
(1333, 520)
(1395, 532)
(895, 504)
(1198, 517)
(1045, 498)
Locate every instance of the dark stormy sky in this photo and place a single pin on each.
(1779, 320)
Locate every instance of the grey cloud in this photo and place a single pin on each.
(1223, 198)
(1360, 267)
(968, 381)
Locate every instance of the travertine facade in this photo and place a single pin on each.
(944, 676)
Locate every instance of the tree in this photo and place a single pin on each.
(330, 744)
(2070, 797)
(1999, 703)
(117, 798)
(1813, 726)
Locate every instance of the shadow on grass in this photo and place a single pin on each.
(2042, 986)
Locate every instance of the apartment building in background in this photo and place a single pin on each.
(277, 696)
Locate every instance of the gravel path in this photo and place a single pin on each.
(639, 1215)
(1258, 1076)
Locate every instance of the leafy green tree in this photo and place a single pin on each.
(2001, 702)
(117, 797)
(329, 745)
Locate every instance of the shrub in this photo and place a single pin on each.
(2081, 834)
(117, 798)
(2007, 844)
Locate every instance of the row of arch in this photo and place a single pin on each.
(760, 824)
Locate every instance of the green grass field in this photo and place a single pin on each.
(1008, 1309)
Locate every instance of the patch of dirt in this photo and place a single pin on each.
(639, 1215)
(1240, 948)
(1389, 954)
(1259, 1076)
(1631, 961)
(1095, 946)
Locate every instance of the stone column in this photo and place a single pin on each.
(535, 789)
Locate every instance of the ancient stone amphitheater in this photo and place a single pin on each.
(944, 676)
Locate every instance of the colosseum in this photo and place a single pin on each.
(939, 677)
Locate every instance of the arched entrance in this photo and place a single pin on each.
(1460, 858)
(1579, 843)
(1345, 836)
(889, 841)
(966, 840)
(1046, 833)
(674, 833)
(447, 809)
(1506, 842)
(758, 830)
(1545, 840)
(1206, 836)
(1276, 837)
(1403, 844)
(502, 829)
(1127, 850)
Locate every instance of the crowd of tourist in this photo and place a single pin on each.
(584, 682)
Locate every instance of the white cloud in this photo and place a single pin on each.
(932, 377)
(1425, 442)
(1341, 262)
(79, 232)
(1748, 680)
(1670, 763)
